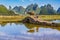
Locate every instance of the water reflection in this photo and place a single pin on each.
(3, 24)
(32, 27)
(18, 30)
(56, 21)
(35, 29)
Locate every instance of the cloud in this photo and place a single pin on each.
(2, 33)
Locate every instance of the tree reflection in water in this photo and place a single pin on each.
(3, 24)
(32, 27)
(29, 30)
(35, 28)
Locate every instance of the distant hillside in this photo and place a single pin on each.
(43, 10)
(33, 7)
(47, 10)
(19, 9)
(58, 11)
(5, 11)
(29, 8)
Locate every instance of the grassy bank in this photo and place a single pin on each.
(49, 17)
(21, 17)
(11, 18)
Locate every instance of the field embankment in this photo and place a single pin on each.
(11, 18)
(21, 17)
(49, 17)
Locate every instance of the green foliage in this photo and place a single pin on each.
(11, 13)
(5, 11)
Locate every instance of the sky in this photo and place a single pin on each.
(25, 3)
